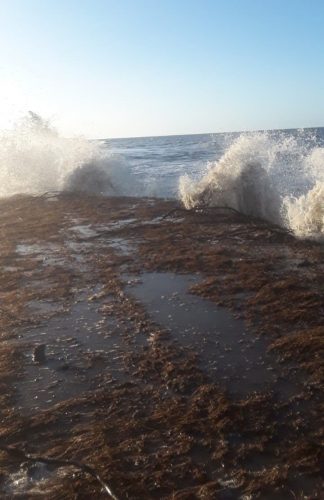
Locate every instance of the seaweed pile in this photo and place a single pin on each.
(116, 395)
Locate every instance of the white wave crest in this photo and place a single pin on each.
(34, 159)
(271, 175)
(305, 214)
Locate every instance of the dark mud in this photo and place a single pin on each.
(179, 356)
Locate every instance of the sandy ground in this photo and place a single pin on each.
(152, 352)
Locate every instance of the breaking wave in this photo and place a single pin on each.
(34, 159)
(272, 175)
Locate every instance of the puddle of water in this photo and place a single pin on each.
(122, 245)
(88, 231)
(53, 261)
(226, 350)
(34, 479)
(54, 255)
(49, 255)
(10, 269)
(34, 249)
(77, 246)
(84, 230)
(233, 357)
(28, 249)
(37, 284)
(24, 249)
(79, 349)
(117, 224)
(44, 307)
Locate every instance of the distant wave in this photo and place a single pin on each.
(270, 175)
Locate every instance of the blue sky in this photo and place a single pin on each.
(120, 68)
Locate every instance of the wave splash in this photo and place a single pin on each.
(271, 175)
(34, 159)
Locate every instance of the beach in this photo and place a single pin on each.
(175, 353)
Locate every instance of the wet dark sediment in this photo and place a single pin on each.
(179, 357)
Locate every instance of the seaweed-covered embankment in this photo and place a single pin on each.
(178, 356)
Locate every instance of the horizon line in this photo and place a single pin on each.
(208, 133)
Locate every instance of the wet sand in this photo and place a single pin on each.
(178, 353)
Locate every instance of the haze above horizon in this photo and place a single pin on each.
(140, 68)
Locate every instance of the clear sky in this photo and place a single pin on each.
(120, 68)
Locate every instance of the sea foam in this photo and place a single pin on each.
(271, 175)
(35, 158)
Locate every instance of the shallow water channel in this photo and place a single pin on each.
(232, 356)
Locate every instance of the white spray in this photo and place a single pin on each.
(275, 176)
(34, 159)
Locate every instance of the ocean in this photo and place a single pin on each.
(277, 175)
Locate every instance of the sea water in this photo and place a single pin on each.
(277, 175)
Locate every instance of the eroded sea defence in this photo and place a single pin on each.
(149, 352)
